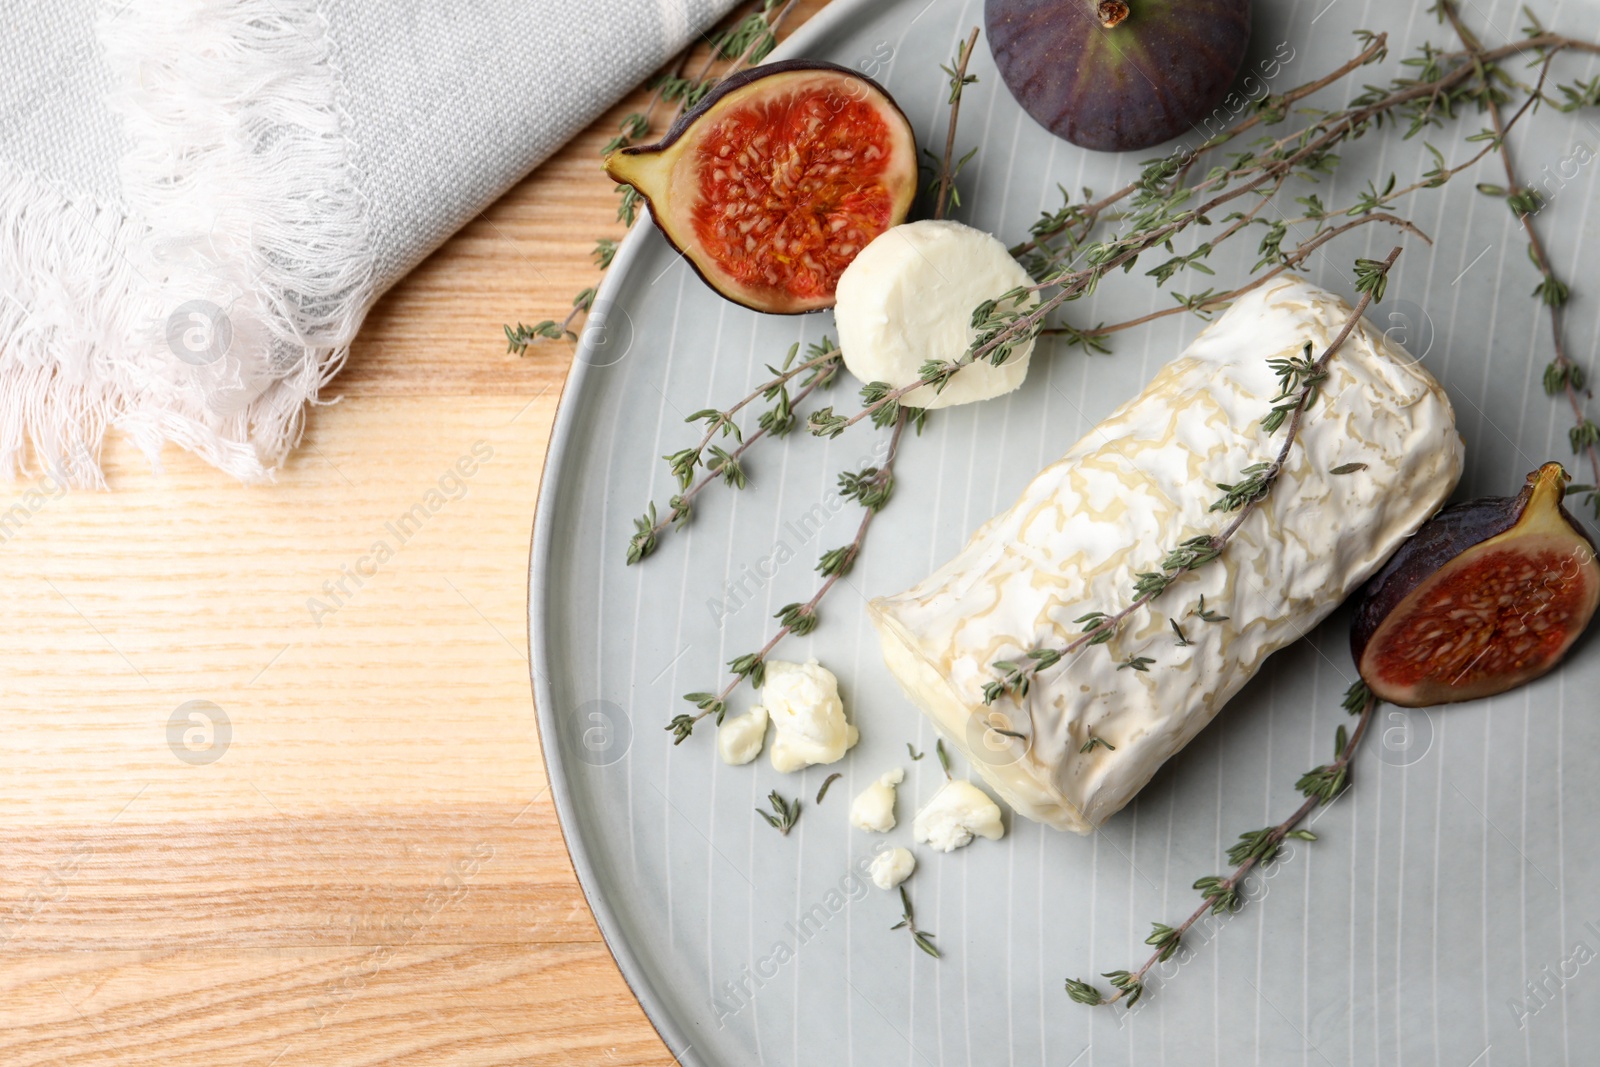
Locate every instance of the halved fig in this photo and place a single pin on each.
(773, 183)
(1486, 596)
(1119, 76)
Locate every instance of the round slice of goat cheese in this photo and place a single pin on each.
(908, 297)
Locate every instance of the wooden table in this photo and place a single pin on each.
(346, 853)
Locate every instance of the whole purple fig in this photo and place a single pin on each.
(1119, 75)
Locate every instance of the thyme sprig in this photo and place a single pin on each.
(1205, 303)
(1161, 206)
(784, 813)
(746, 41)
(1224, 894)
(1300, 379)
(519, 338)
(945, 181)
(908, 921)
(870, 487)
(795, 618)
(884, 405)
(670, 87)
(1562, 376)
(820, 369)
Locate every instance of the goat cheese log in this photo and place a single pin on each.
(1136, 486)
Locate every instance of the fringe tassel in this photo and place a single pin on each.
(221, 298)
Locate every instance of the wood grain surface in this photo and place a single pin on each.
(273, 796)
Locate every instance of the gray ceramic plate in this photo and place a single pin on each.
(1463, 866)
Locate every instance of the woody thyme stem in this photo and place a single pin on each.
(958, 81)
(805, 614)
(1552, 289)
(712, 476)
(1263, 166)
(1375, 50)
(1294, 259)
(745, 57)
(1301, 252)
(1131, 986)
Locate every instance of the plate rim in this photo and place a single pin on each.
(563, 434)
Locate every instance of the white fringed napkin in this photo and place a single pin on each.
(199, 199)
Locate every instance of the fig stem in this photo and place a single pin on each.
(1536, 246)
(958, 81)
(1110, 13)
(1274, 838)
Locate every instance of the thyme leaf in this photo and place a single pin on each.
(921, 938)
(784, 813)
(826, 782)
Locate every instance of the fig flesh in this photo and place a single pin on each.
(1118, 76)
(772, 183)
(1486, 596)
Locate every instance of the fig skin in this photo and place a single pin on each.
(1114, 76)
(1480, 534)
(663, 173)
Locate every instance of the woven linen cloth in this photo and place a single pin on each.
(200, 199)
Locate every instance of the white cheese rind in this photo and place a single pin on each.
(908, 297)
(1137, 485)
